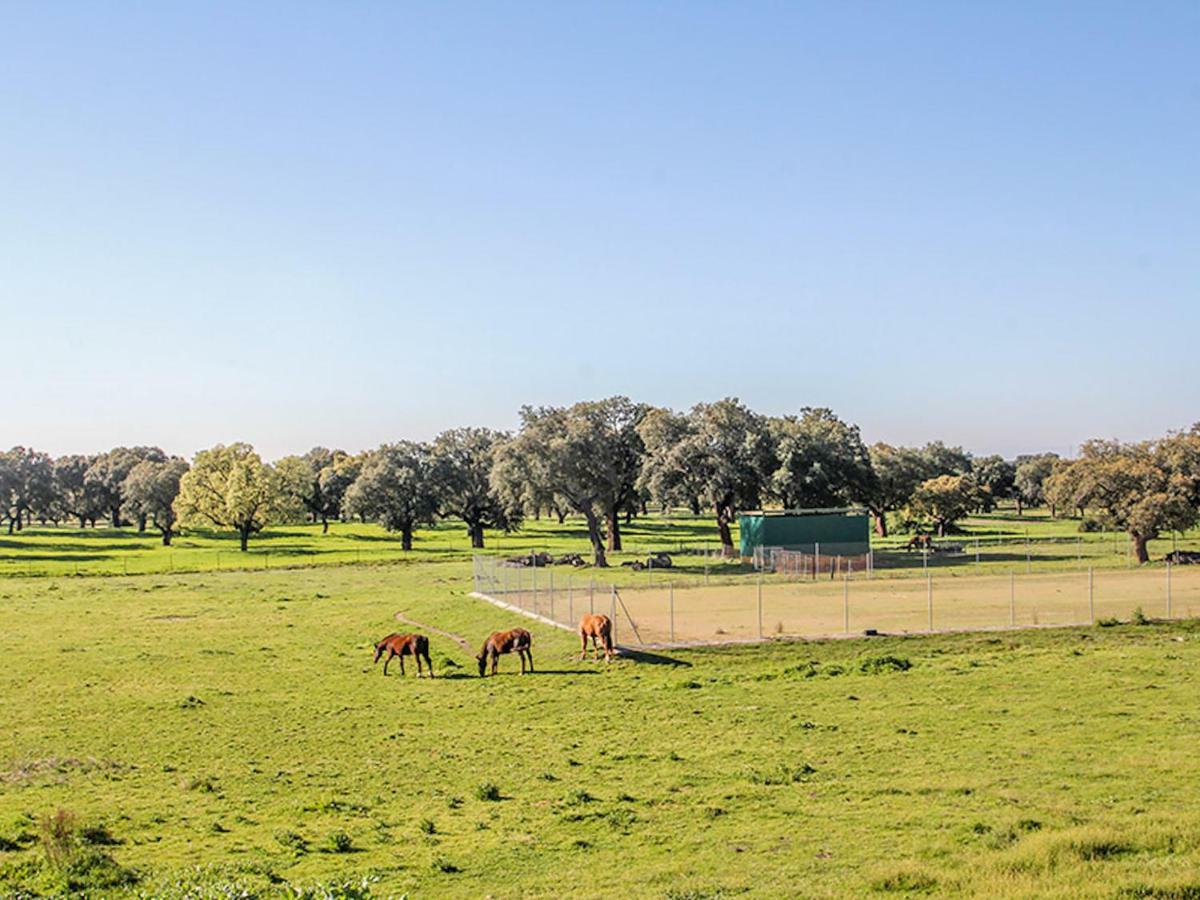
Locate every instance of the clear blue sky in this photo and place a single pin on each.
(343, 223)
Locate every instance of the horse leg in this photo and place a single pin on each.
(529, 653)
(417, 657)
(495, 661)
(401, 655)
(386, 661)
(583, 637)
(429, 664)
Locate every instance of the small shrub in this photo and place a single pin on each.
(59, 837)
(454, 802)
(190, 702)
(579, 797)
(1090, 525)
(906, 880)
(339, 842)
(440, 864)
(878, 665)
(293, 841)
(782, 774)
(1140, 618)
(1103, 623)
(427, 826)
(488, 792)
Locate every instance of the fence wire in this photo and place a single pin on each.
(764, 606)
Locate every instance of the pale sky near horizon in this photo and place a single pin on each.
(343, 223)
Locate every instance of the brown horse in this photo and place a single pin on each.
(597, 626)
(402, 645)
(518, 640)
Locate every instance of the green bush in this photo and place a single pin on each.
(339, 842)
(877, 665)
(488, 792)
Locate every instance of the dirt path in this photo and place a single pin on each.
(458, 639)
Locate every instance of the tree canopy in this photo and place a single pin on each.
(229, 486)
(396, 488)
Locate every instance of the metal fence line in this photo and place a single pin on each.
(670, 613)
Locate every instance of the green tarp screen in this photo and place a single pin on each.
(839, 533)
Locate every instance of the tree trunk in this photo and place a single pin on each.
(1053, 511)
(166, 533)
(406, 534)
(941, 529)
(1020, 507)
(245, 535)
(116, 517)
(593, 527)
(614, 529)
(82, 523)
(629, 516)
(1139, 547)
(695, 504)
(724, 517)
(141, 523)
(324, 525)
(560, 514)
(12, 523)
(475, 529)
(880, 522)
(644, 512)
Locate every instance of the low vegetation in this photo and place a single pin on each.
(224, 733)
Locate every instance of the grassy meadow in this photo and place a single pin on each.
(223, 733)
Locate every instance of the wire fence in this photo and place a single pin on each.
(763, 606)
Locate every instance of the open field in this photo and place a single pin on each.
(1054, 545)
(226, 729)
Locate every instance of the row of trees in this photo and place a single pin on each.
(606, 460)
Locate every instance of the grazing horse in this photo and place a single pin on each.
(919, 542)
(518, 640)
(597, 626)
(402, 645)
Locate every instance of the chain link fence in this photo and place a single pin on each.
(763, 606)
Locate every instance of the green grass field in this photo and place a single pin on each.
(224, 734)
(1056, 545)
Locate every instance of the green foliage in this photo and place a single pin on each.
(821, 461)
(877, 665)
(487, 791)
(396, 488)
(230, 487)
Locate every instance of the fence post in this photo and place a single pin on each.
(816, 559)
(552, 594)
(1168, 589)
(976, 551)
(570, 600)
(1091, 597)
(533, 576)
(1028, 558)
(706, 564)
(929, 596)
(592, 596)
(1012, 599)
(846, 606)
(671, 609)
(1079, 548)
(925, 558)
(760, 630)
(613, 617)
(871, 563)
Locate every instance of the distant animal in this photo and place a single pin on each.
(517, 641)
(402, 645)
(597, 626)
(919, 542)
